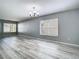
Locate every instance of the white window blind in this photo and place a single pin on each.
(49, 27)
(8, 27)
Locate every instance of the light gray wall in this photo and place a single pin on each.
(68, 26)
(30, 28)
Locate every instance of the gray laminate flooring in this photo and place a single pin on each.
(32, 48)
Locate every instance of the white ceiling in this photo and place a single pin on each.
(17, 10)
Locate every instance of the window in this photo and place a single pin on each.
(8, 27)
(49, 27)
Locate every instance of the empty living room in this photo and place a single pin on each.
(39, 29)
